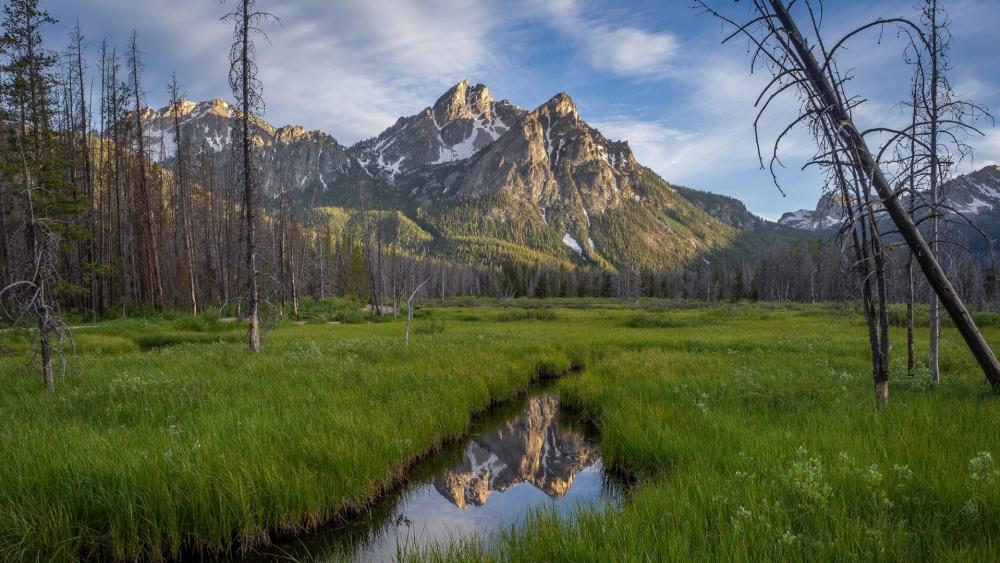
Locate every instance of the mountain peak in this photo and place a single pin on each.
(181, 108)
(562, 105)
(463, 101)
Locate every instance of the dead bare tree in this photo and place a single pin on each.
(247, 90)
(78, 70)
(781, 48)
(183, 207)
(942, 121)
(144, 210)
(409, 308)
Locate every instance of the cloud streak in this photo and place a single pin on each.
(623, 49)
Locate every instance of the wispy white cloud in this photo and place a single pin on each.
(350, 68)
(720, 139)
(622, 49)
(987, 152)
(355, 67)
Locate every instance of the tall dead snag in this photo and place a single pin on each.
(147, 243)
(247, 91)
(409, 309)
(183, 190)
(942, 121)
(935, 52)
(783, 50)
(90, 255)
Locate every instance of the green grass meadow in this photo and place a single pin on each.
(750, 428)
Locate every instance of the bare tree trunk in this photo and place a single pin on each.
(910, 360)
(935, 193)
(295, 289)
(154, 285)
(84, 118)
(40, 268)
(244, 77)
(882, 375)
(409, 309)
(924, 255)
(45, 341)
(183, 193)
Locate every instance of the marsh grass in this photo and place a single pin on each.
(201, 446)
(752, 436)
(761, 442)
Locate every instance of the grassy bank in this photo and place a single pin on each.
(751, 428)
(196, 444)
(755, 438)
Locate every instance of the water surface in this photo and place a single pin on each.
(523, 457)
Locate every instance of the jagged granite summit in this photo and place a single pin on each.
(462, 122)
(829, 214)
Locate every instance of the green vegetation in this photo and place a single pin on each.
(750, 428)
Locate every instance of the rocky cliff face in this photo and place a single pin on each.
(829, 214)
(533, 449)
(562, 175)
(975, 194)
(207, 126)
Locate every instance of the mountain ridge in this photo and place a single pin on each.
(486, 179)
(972, 194)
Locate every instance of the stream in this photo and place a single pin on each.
(524, 456)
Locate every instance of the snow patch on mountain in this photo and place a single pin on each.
(569, 241)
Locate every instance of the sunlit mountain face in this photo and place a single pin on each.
(476, 179)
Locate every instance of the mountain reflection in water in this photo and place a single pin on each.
(532, 448)
(516, 461)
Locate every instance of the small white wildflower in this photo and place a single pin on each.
(788, 538)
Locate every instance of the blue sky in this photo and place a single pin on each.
(652, 72)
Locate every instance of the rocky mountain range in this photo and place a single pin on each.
(472, 178)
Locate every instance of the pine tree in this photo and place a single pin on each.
(33, 166)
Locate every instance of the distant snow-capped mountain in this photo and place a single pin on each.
(975, 195)
(291, 158)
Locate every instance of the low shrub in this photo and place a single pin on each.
(354, 316)
(897, 315)
(527, 315)
(14, 344)
(199, 323)
(658, 321)
(431, 327)
(171, 338)
(986, 318)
